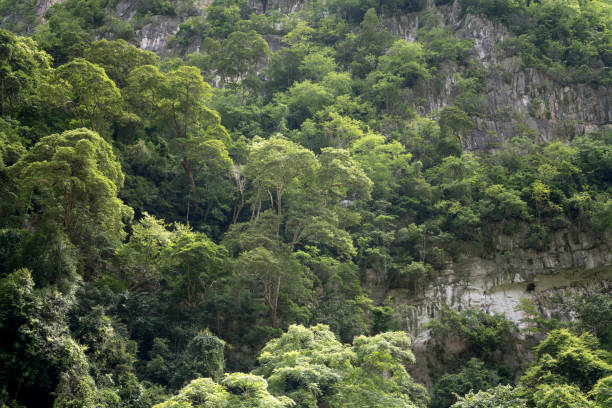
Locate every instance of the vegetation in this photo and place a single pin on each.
(570, 39)
(222, 228)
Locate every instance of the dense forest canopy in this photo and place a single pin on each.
(206, 229)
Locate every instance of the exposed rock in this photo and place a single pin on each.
(44, 5)
(516, 97)
(282, 6)
(528, 97)
(126, 10)
(154, 35)
(26, 24)
(574, 262)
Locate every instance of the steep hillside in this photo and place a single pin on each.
(311, 192)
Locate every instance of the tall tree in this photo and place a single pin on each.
(118, 58)
(175, 102)
(192, 264)
(22, 65)
(275, 165)
(69, 183)
(85, 91)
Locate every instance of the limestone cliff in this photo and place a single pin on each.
(573, 263)
(516, 97)
(22, 18)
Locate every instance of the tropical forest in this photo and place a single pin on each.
(306, 203)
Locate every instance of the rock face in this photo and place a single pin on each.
(573, 264)
(43, 5)
(27, 23)
(154, 35)
(517, 98)
(282, 6)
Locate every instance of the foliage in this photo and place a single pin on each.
(501, 396)
(595, 315)
(236, 390)
(313, 368)
(178, 216)
(39, 356)
(86, 92)
(69, 183)
(474, 376)
(203, 358)
(23, 66)
(567, 38)
(118, 58)
(483, 333)
(564, 358)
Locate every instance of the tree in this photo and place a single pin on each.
(11, 149)
(602, 392)
(213, 167)
(236, 390)
(21, 69)
(118, 58)
(385, 89)
(405, 60)
(176, 102)
(500, 203)
(86, 93)
(475, 333)
(110, 355)
(379, 365)
(316, 65)
(566, 359)
(275, 165)
(305, 364)
(283, 68)
(69, 183)
(455, 121)
(40, 359)
(239, 55)
(303, 100)
(192, 264)
(502, 396)
(312, 367)
(561, 396)
(336, 131)
(384, 163)
(339, 300)
(273, 274)
(341, 177)
(474, 376)
(203, 357)
(442, 45)
(371, 42)
(140, 257)
(595, 313)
